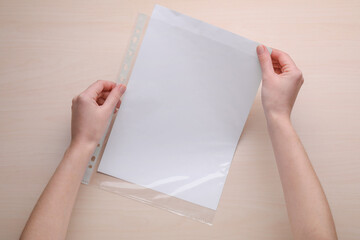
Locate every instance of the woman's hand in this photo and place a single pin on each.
(92, 109)
(308, 210)
(281, 83)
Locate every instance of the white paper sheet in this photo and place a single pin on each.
(186, 103)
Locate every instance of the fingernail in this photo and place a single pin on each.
(122, 89)
(260, 49)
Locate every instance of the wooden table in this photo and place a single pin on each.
(52, 50)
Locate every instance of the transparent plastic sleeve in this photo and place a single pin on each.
(127, 189)
(178, 127)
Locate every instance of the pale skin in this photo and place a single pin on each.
(308, 210)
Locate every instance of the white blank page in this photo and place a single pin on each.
(186, 103)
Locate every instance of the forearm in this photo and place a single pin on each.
(308, 209)
(51, 215)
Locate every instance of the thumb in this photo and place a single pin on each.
(264, 59)
(114, 96)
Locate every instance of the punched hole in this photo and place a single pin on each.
(93, 158)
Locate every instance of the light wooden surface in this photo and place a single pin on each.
(52, 50)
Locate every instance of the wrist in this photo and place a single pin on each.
(85, 147)
(274, 119)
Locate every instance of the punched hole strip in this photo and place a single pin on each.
(123, 78)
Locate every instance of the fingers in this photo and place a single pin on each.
(118, 104)
(283, 59)
(265, 60)
(114, 96)
(97, 87)
(102, 97)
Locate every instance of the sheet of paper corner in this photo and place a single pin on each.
(138, 31)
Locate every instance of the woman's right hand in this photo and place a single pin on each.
(281, 82)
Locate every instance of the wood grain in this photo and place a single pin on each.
(51, 50)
